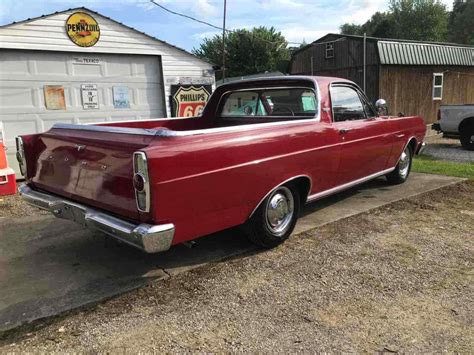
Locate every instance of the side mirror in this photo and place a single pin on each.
(381, 106)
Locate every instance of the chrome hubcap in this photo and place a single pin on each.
(279, 211)
(404, 163)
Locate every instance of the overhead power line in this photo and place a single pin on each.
(210, 24)
(186, 16)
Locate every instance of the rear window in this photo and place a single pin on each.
(277, 103)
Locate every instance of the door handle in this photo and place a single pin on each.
(345, 130)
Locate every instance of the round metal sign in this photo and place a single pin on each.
(82, 29)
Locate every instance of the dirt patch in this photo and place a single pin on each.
(13, 206)
(395, 279)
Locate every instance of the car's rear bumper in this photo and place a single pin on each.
(147, 237)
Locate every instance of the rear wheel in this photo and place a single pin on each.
(467, 136)
(403, 168)
(274, 220)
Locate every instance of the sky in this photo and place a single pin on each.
(298, 20)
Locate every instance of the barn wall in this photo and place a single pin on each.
(408, 89)
(347, 62)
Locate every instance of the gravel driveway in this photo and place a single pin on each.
(398, 278)
(447, 149)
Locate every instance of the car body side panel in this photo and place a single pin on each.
(404, 129)
(365, 147)
(215, 182)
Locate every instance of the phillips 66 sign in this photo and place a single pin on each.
(189, 100)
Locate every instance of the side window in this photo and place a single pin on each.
(346, 104)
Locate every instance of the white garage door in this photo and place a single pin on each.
(23, 75)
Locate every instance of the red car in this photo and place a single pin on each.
(259, 152)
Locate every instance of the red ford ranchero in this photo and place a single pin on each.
(260, 150)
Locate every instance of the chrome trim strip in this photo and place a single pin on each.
(347, 185)
(170, 133)
(146, 237)
(277, 186)
(106, 129)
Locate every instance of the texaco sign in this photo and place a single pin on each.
(189, 100)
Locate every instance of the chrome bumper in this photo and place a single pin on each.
(147, 237)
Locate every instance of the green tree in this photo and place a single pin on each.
(422, 20)
(247, 51)
(381, 24)
(461, 22)
(351, 29)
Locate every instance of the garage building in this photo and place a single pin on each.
(78, 66)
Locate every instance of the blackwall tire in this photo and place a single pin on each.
(467, 137)
(275, 218)
(403, 168)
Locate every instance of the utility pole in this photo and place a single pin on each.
(223, 43)
(365, 60)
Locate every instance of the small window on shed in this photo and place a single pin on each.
(330, 50)
(437, 86)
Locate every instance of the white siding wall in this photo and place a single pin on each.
(48, 34)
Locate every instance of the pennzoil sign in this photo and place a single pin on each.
(82, 29)
(189, 100)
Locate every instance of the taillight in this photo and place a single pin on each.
(20, 155)
(141, 181)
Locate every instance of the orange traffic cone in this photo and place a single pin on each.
(7, 175)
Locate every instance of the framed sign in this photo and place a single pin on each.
(189, 100)
(54, 97)
(121, 98)
(90, 97)
(82, 29)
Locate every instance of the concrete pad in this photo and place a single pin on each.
(49, 266)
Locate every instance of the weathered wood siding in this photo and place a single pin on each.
(348, 62)
(409, 89)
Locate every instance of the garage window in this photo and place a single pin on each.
(438, 86)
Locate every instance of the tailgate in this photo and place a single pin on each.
(88, 166)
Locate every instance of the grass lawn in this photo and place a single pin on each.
(425, 164)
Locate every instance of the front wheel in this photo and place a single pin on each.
(467, 137)
(402, 170)
(274, 220)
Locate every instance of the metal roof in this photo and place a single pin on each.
(415, 53)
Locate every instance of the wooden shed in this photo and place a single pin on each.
(413, 77)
